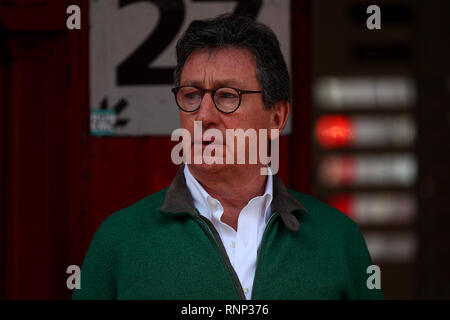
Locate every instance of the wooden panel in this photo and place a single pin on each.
(34, 15)
(3, 123)
(300, 147)
(77, 135)
(36, 201)
(433, 261)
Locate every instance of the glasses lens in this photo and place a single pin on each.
(189, 98)
(227, 99)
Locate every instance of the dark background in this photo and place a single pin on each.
(58, 182)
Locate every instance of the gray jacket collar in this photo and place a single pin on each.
(178, 200)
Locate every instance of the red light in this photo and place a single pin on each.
(343, 203)
(338, 171)
(334, 131)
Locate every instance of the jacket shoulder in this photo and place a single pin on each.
(138, 214)
(323, 213)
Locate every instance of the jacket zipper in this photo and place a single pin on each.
(261, 248)
(208, 227)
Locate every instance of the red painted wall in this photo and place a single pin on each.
(34, 220)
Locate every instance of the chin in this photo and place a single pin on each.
(212, 168)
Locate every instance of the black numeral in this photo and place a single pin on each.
(136, 69)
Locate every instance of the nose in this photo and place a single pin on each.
(207, 113)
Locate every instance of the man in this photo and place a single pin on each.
(223, 230)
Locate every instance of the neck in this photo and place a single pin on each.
(233, 187)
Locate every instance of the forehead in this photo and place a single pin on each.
(232, 66)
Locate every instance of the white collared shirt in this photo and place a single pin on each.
(241, 245)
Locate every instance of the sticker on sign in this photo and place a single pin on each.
(102, 122)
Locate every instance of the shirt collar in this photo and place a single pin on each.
(178, 201)
(201, 198)
(205, 203)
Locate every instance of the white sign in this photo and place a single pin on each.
(132, 57)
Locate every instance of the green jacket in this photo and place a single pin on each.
(162, 248)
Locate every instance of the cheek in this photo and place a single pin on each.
(185, 121)
(257, 120)
(264, 119)
(254, 116)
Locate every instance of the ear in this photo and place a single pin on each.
(280, 115)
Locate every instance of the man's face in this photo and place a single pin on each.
(225, 67)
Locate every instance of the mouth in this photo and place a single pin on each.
(205, 142)
(211, 141)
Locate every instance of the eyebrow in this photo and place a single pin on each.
(216, 83)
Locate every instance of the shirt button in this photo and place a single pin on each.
(233, 244)
(212, 203)
(245, 290)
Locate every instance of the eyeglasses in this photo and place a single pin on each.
(226, 100)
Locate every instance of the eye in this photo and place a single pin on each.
(227, 94)
(192, 95)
